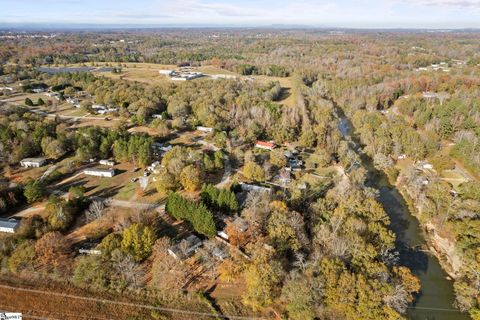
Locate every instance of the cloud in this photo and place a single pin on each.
(183, 8)
(447, 3)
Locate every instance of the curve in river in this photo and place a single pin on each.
(436, 296)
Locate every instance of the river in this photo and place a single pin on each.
(436, 296)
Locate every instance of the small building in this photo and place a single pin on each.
(166, 72)
(223, 76)
(6, 88)
(90, 252)
(185, 76)
(72, 100)
(265, 145)
(9, 225)
(252, 187)
(109, 163)
(33, 162)
(204, 129)
(38, 90)
(52, 94)
(240, 225)
(161, 147)
(153, 166)
(185, 248)
(157, 116)
(220, 253)
(402, 157)
(285, 176)
(107, 173)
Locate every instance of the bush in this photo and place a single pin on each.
(34, 190)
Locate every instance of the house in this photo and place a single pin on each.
(9, 225)
(108, 173)
(6, 88)
(166, 72)
(157, 116)
(204, 129)
(240, 224)
(185, 248)
(33, 162)
(109, 163)
(98, 106)
(38, 90)
(402, 157)
(219, 252)
(252, 187)
(185, 76)
(265, 145)
(90, 252)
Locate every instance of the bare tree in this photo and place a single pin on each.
(95, 210)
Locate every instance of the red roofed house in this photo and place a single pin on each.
(265, 145)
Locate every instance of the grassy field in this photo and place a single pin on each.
(288, 98)
(454, 177)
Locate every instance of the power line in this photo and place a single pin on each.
(129, 304)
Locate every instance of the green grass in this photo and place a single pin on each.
(127, 192)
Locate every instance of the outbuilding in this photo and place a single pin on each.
(109, 163)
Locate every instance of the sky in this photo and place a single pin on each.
(443, 14)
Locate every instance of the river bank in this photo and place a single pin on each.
(436, 298)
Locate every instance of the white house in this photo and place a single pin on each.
(109, 163)
(185, 248)
(166, 72)
(107, 173)
(38, 90)
(9, 225)
(6, 88)
(33, 162)
(157, 116)
(204, 129)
